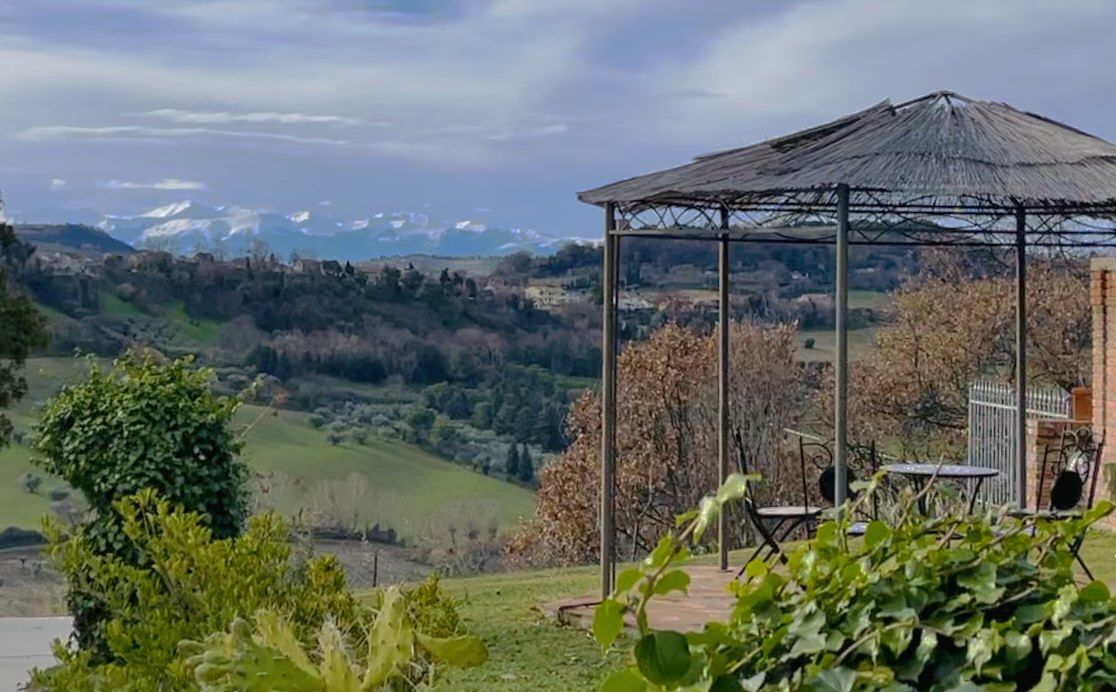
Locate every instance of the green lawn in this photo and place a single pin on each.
(395, 484)
(530, 652)
(527, 651)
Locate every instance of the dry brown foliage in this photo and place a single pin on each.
(666, 438)
(949, 330)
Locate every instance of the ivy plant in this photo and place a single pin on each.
(144, 424)
(919, 603)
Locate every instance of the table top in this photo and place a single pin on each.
(942, 470)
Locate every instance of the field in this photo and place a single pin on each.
(398, 485)
(171, 326)
(825, 344)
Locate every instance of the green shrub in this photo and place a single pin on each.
(141, 425)
(954, 602)
(193, 585)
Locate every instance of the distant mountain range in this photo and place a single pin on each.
(188, 226)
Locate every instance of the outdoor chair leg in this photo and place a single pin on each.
(1076, 548)
(767, 541)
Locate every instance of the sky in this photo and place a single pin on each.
(492, 110)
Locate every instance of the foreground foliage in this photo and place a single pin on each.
(192, 586)
(919, 603)
(144, 424)
(23, 327)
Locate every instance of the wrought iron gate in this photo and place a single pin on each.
(992, 429)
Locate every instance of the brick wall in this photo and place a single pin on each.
(1044, 434)
(1102, 299)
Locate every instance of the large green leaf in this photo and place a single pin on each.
(608, 622)
(663, 656)
(462, 652)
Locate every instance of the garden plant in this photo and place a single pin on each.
(919, 603)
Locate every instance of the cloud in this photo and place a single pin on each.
(50, 132)
(164, 184)
(224, 117)
(56, 183)
(530, 132)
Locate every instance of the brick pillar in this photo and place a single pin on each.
(1102, 299)
(1043, 434)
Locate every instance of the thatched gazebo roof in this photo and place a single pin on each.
(941, 154)
(939, 170)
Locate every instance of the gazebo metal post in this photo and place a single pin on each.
(608, 399)
(841, 359)
(723, 382)
(1021, 354)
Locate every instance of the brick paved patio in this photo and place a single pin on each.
(708, 599)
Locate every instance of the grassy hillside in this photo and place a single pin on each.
(395, 484)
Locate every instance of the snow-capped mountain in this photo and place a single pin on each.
(189, 226)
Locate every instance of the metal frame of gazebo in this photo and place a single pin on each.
(941, 170)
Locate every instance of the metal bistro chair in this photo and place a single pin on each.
(776, 523)
(1074, 466)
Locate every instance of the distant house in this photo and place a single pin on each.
(306, 266)
(204, 258)
(630, 302)
(65, 263)
(550, 296)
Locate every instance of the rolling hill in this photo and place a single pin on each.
(391, 483)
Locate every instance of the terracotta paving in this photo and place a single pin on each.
(708, 599)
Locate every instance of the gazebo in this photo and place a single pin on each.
(940, 170)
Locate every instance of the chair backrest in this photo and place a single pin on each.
(1074, 465)
(816, 454)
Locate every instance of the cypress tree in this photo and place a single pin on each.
(511, 466)
(526, 466)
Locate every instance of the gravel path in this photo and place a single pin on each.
(25, 644)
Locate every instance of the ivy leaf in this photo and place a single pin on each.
(627, 579)
(981, 581)
(626, 680)
(608, 622)
(663, 657)
(662, 552)
(707, 516)
(1096, 592)
(726, 683)
(676, 580)
(734, 487)
(834, 680)
(876, 533)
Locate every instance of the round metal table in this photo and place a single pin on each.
(920, 475)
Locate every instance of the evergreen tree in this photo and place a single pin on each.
(511, 466)
(526, 466)
(23, 328)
